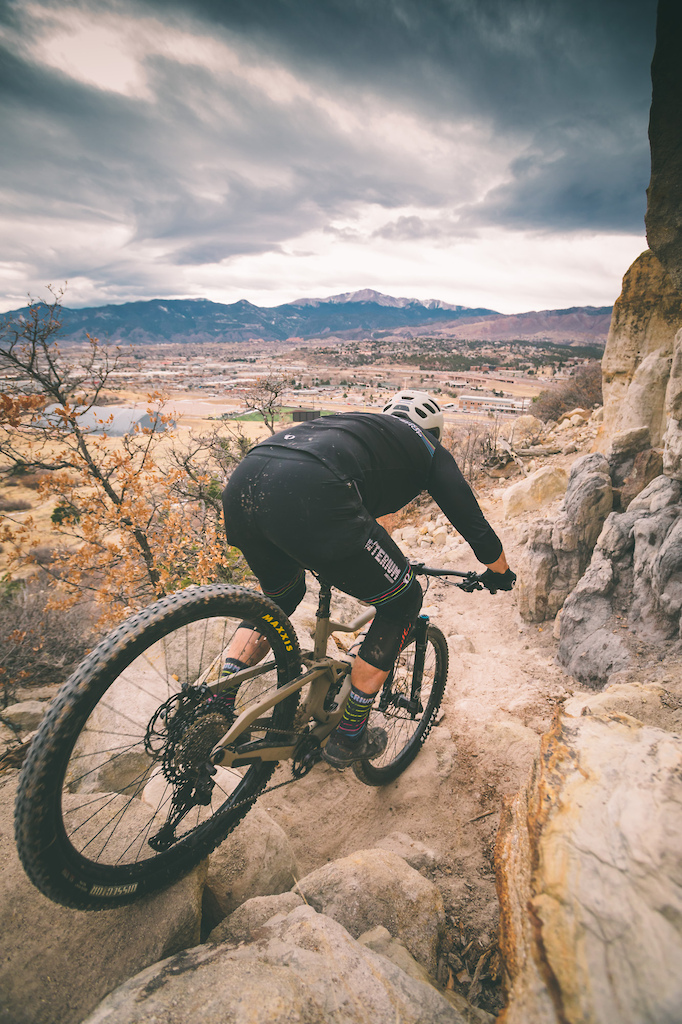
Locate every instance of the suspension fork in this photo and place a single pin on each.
(413, 702)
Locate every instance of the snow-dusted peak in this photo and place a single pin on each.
(369, 295)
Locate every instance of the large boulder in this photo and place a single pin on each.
(534, 491)
(247, 920)
(304, 967)
(373, 887)
(57, 964)
(255, 860)
(589, 648)
(26, 715)
(633, 580)
(637, 356)
(672, 455)
(558, 550)
(523, 430)
(589, 862)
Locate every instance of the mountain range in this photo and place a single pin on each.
(348, 315)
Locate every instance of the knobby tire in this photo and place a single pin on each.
(407, 733)
(97, 759)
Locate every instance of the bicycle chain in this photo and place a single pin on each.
(279, 785)
(261, 792)
(268, 789)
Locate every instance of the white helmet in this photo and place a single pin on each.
(418, 407)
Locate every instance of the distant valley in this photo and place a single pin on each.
(350, 316)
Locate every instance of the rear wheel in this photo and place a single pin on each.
(407, 729)
(118, 796)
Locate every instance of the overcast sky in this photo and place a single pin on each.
(485, 152)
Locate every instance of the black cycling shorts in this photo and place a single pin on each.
(288, 512)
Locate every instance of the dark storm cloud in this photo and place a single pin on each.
(572, 75)
(78, 149)
(208, 165)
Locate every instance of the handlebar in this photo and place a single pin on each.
(470, 580)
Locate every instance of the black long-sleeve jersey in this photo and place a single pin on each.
(390, 461)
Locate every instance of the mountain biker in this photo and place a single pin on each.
(309, 497)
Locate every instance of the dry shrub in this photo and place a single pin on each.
(43, 554)
(471, 445)
(40, 645)
(8, 505)
(582, 390)
(33, 480)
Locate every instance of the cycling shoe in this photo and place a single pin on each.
(340, 754)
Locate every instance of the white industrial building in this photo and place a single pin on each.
(493, 404)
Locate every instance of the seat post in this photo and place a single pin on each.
(323, 611)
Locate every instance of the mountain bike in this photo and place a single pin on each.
(134, 777)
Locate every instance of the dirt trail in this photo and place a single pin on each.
(503, 687)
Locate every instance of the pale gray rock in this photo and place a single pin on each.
(534, 491)
(57, 964)
(373, 887)
(460, 644)
(255, 860)
(628, 442)
(523, 430)
(304, 969)
(636, 573)
(381, 941)
(646, 317)
(587, 649)
(589, 862)
(643, 405)
(414, 853)
(660, 492)
(26, 715)
(657, 589)
(557, 551)
(672, 454)
(247, 920)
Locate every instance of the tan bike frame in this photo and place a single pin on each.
(319, 671)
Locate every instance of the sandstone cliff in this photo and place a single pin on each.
(639, 350)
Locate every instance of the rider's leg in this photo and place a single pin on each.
(366, 677)
(250, 492)
(352, 739)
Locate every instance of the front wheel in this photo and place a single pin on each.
(118, 797)
(407, 729)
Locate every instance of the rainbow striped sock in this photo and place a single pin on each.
(355, 715)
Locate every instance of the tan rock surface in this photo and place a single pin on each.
(377, 887)
(589, 861)
(536, 490)
(304, 968)
(57, 964)
(672, 455)
(646, 317)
